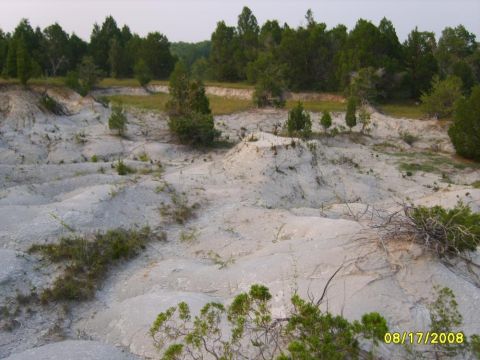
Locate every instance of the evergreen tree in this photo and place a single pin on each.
(100, 41)
(247, 30)
(142, 73)
(299, 122)
(89, 74)
(189, 112)
(454, 45)
(115, 58)
(350, 116)
(420, 62)
(155, 51)
(76, 51)
(11, 62)
(3, 50)
(23, 62)
(465, 130)
(222, 54)
(118, 120)
(55, 48)
(440, 102)
(326, 120)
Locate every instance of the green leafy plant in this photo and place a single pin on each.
(307, 333)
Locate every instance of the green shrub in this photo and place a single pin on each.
(364, 118)
(194, 129)
(440, 102)
(269, 78)
(299, 122)
(72, 81)
(123, 169)
(308, 333)
(326, 120)
(142, 73)
(446, 231)
(465, 130)
(87, 261)
(89, 75)
(190, 117)
(118, 120)
(350, 116)
(94, 158)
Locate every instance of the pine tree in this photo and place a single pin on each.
(23, 62)
(11, 64)
(142, 73)
(326, 120)
(350, 116)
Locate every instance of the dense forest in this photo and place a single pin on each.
(310, 57)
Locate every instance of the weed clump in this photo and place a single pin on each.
(87, 261)
(408, 138)
(118, 120)
(446, 231)
(123, 169)
(51, 105)
(179, 211)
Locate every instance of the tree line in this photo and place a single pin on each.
(368, 60)
(114, 51)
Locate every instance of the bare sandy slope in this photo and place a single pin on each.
(273, 210)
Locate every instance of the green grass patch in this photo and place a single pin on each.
(476, 184)
(87, 261)
(223, 106)
(318, 106)
(406, 109)
(432, 162)
(414, 167)
(157, 102)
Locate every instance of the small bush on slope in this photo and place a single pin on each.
(299, 122)
(118, 120)
(447, 231)
(190, 117)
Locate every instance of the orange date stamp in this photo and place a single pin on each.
(424, 338)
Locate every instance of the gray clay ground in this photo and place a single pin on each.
(278, 211)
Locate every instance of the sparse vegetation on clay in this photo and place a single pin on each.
(118, 120)
(87, 260)
(123, 169)
(446, 232)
